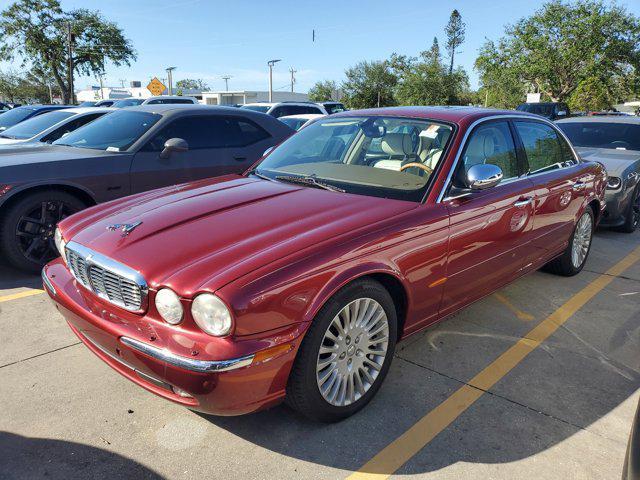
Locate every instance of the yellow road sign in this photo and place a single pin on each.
(156, 87)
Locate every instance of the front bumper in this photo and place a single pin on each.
(168, 362)
(617, 205)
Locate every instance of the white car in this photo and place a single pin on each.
(286, 109)
(298, 121)
(51, 126)
(158, 100)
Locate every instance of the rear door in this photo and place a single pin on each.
(218, 145)
(560, 182)
(490, 231)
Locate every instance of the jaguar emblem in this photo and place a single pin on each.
(125, 228)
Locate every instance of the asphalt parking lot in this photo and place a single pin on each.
(537, 381)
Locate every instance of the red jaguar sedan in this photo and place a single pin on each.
(295, 280)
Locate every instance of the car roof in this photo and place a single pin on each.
(629, 119)
(41, 107)
(78, 110)
(455, 114)
(173, 108)
(304, 116)
(163, 96)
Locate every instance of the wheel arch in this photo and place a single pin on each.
(388, 277)
(20, 192)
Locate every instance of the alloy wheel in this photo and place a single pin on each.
(35, 230)
(352, 352)
(635, 210)
(581, 240)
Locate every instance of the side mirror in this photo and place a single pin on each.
(173, 145)
(562, 113)
(483, 176)
(267, 151)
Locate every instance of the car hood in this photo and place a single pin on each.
(203, 235)
(615, 161)
(25, 154)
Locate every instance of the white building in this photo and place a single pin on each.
(135, 89)
(233, 97)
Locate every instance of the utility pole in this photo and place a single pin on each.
(122, 82)
(293, 78)
(101, 87)
(271, 63)
(70, 53)
(170, 79)
(50, 93)
(226, 82)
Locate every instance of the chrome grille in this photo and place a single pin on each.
(107, 278)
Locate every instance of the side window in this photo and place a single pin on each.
(279, 112)
(491, 143)
(250, 132)
(70, 127)
(542, 146)
(215, 131)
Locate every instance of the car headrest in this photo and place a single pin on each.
(396, 144)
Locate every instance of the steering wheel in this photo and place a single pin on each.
(422, 166)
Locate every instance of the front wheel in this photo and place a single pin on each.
(572, 261)
(345, 354)
(632, 218)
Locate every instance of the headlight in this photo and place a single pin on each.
(211, 314)
(613, 183)
(60, 244)
(169, 306)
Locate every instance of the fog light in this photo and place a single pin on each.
(179, 391)
(613, 183)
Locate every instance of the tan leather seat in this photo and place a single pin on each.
(394, 145)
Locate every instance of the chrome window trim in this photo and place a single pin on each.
(470, 129)
(94, 258)
(191, 364)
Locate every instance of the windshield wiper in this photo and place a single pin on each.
(259, 175)
(312, 181)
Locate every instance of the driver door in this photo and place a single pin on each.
(490, 230)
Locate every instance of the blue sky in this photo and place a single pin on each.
(210, 38)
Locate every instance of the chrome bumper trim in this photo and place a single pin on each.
(47, 283)
(200, 366)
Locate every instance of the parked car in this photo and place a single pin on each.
(550, 110)
(298, 121)
(128, 102)
(5, 107)
(332, 107)
(128, 151)
(51, 126)
(295, 280)
(284, 109)
(614, 142)
(105, 103)
(20, 114)
(87, 104)
(631, 468)
(169, 99)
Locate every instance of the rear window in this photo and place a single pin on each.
(10, 118)
(257, 108)
(35, 125)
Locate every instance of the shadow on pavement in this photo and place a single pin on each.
(29, 458)
(12, 278)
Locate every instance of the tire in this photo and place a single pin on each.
(632, 218)
(29, 244)
(350, 366)
(566, 264)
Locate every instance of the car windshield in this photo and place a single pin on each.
(114, 132)
(377, 156)
(10, 118)
(538, 109)
(295, 123)
(613, 135)
(35, 125)
(257, 108)
(129, 102)
(334, 108)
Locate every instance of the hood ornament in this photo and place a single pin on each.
(125, 228)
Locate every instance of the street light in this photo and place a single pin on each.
(271, 63)
(170, 79)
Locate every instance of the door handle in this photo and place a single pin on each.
(524, 202)
(240, 159)
(579, 186)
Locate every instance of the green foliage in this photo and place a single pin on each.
(25, 88)
(35, 31)
(192, 84)
(369, 84)
(455, 36)
(562, 45)
(324, 90)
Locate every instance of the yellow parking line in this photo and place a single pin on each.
(524, 316)
(403, 448)
(15, 296)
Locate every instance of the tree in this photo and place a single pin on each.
(455, 36)
(192, 84)
(36, 32)
(324, 90)
(563, 44)
(369, 84)
(24, 88)
(502, 86)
